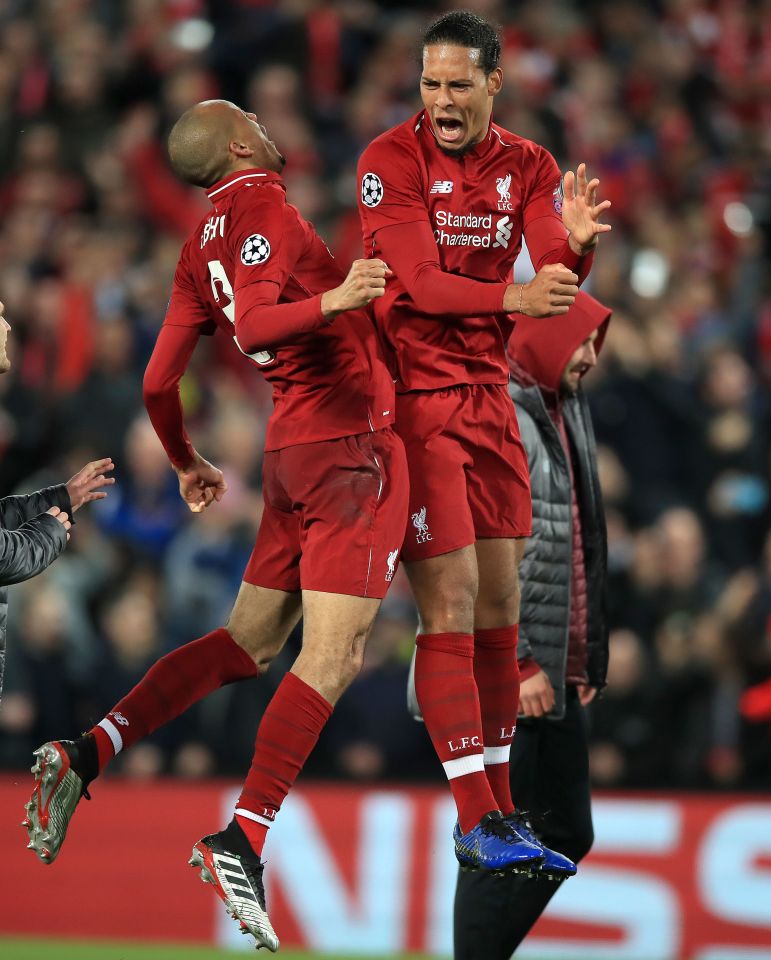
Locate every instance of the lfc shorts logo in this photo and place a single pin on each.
(419, 522)
(391, 565)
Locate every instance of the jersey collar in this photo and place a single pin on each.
(241, 178)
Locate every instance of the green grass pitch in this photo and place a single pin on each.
(77, 950)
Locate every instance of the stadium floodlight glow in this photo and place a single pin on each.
(649, 274)
(192, 35)
(738, 218)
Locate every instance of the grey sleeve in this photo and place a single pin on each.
(14, 511)
(31, 548)
(529, 436)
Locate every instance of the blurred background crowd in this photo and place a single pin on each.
(668, 102)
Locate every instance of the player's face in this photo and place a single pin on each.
(582, 361)
(266, 153)
(457, 94)
(5, 327)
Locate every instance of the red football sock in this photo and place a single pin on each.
(497, 676)
(449, 703)
(170, 686)
(287, 733)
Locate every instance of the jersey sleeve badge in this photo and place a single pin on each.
(371, 189)
(557, 197)
(255, 250)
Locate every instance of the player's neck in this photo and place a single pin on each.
(247, 166)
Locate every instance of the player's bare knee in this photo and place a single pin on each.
(449, 610)
(356, 658)
(263, 650)
(351, 661)
(499, 608)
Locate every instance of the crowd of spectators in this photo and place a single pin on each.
(668, 102)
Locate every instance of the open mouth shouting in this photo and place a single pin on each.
(449, 130)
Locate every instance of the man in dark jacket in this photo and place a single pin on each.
(34, 529)
(563, 643)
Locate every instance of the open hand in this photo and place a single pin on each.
(201, 484)
(580, 210)
(85, 485)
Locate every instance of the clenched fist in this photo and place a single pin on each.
(201, 484)
(366, 280)
(550, 293)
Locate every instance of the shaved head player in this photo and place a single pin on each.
(334, 486)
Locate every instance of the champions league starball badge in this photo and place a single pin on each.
(371, 190)
(255, 250)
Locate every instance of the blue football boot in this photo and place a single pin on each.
(497, 845)
(554, 866)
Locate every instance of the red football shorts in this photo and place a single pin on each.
(469, 478)
(334, 516)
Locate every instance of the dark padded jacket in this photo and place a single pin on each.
(30, 540)
(539, 351)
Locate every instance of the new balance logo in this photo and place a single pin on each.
(391, 565)
(503, 230)
(442, 186)
(119, 718)
(419, 522)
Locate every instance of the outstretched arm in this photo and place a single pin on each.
(14, 511)
(31, 548)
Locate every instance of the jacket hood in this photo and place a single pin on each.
(539, 349)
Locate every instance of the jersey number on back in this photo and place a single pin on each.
(217, 275)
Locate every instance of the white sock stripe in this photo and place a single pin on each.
(473, 763)
(497, 754)
(113, 733)
(240, 812)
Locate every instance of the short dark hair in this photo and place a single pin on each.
(462, 28)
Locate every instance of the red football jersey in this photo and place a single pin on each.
(476, 207)
(254, 251)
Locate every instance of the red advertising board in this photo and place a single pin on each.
(372, 871)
